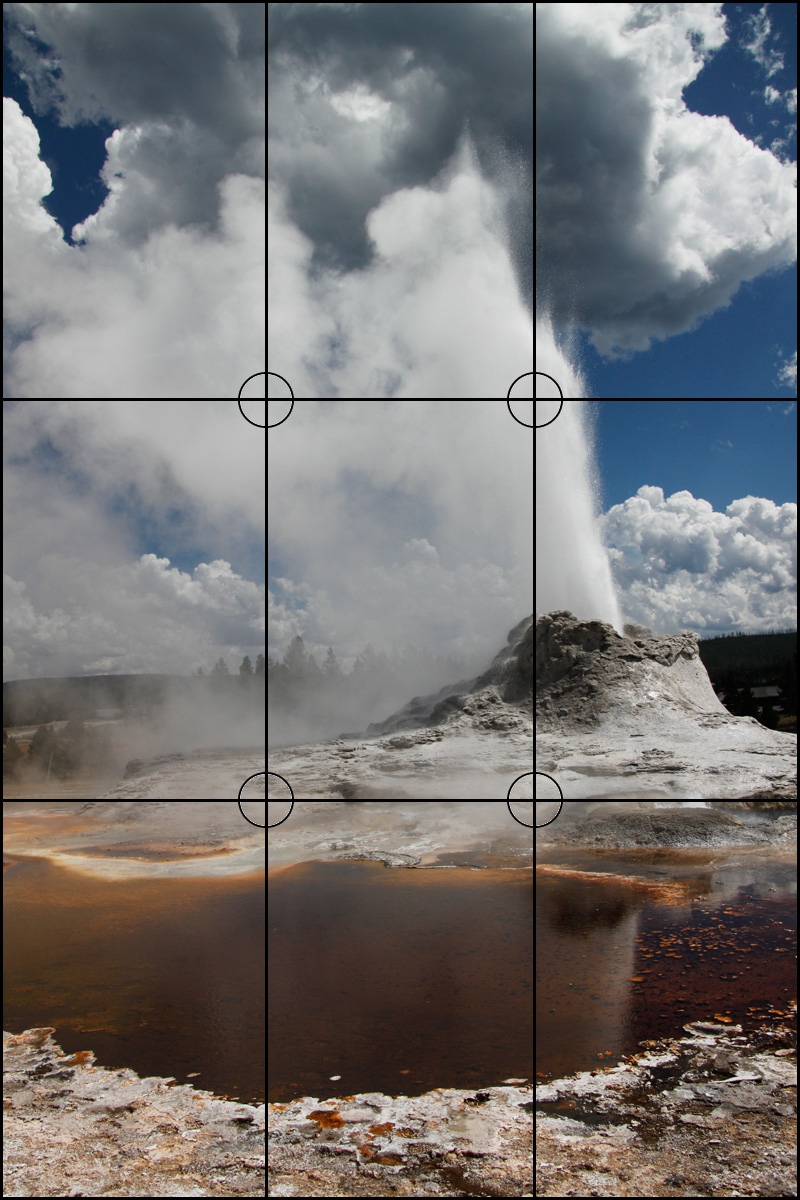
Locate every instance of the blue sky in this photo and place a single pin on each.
(678, 562)
(719, 452)
(662, 267)
(75, 156)
(738, 351)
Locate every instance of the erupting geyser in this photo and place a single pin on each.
(572, 568)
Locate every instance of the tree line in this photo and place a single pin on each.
(332, 699)
(135, 699)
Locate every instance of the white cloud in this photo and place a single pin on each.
(678, 564)
(787, 375)
(400, 201)
(166, 295)
(759, 31)
(100, 500)
(649, 216)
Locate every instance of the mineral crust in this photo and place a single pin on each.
(71, 1128)
(449, 1142)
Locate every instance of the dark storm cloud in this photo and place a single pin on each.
(366, 99)
(648, 216)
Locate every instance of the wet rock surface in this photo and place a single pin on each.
(615, 825)
(709, 1114)
(400, 835)
(620, 717)
(448, 1142)
(200, 837)
(71, 1128)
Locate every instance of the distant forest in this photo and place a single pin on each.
(329, 698)
(755, 675)
(138, 699)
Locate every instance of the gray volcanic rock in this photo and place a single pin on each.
(636, 717)
(71, 1128)
(711, 1113)
(621, 825)
(585, 669)
(616, 825)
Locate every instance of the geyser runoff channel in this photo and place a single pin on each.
(572, 568)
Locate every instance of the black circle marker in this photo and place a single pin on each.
(523, 376)
(249, 777)
(558, 814)
(524, 824)
(249, 377)
(550, 422)
(244, 814)
(286, 781)
(249, 422)
(550, 377)
(516, 418)
(286, 381)
(286, 418)
(289, 813)
(550, 777)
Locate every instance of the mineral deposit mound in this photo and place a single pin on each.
(639, 713)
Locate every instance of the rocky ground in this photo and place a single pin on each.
(636, 717)
(628, 824)
(447, 1143)
(71, 1128)
(710, 1114)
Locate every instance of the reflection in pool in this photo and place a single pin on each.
(630, 945)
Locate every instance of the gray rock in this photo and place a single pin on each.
(619, 718)
(84, 1130)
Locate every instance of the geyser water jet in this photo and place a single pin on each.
(572, 567)
(553, 360)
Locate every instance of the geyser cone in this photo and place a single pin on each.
(572, 569)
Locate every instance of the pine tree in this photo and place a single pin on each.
(330, 667)
(295, 657)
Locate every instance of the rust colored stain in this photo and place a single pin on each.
(326, 1118)
(78, 1060)
(149, 853)
(380, 1129)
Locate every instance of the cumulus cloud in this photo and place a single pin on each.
(400, 198)
(648, 216)
(133, 538)
(678, 564)
(164, 296)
